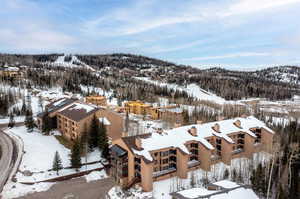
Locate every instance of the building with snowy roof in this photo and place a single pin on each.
(9, 71)
(164, 154)
(73, 117)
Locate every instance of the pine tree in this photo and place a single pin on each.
(93, 135)
(24, 107)
(103, 141)
(75, 155)
(83, 142)
(102, 138)
(46, 126)
(226, 174)
(57, 163)
(11, 123)
(29, 123)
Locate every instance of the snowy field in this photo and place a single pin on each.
(37, 159)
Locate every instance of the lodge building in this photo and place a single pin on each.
(163, 154)
(97, 100)
(73, 117)
(172, 113)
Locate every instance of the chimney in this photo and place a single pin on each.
(199, 121)
(216, 127)
(237, 123)
(138, 142)
(193, 131)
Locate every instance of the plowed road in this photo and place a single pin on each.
(8, 156)
(6, 160)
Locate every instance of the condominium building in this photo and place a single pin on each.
(137, 107)
(97, 100)
(12, 72)
(163, 154)
(72, 117)
(172, 113)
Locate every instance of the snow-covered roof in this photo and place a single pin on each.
(227, 184)
(173, 110)
(78, 111)
(177, 137)
(85, 107)
(104, 120)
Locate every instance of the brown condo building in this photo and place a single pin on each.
(160, 155)
(97, 100)
(72, 117)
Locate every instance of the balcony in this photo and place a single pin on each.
(163, 172)
(215, 157)
(193, 163)
(237, 151)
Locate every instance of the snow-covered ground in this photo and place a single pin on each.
(73, 63)
(108, 94)
(37, 159)
(193, 90)
(96, 175)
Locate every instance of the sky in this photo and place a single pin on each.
(236, 34)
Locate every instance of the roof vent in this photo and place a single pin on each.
(193, 131)
(216, 128)
(237, 123)
(138, 142)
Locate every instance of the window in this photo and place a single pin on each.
(164, 153)
(195, 152)
(165, 161)
(194, 145)
(155, 154)
(165, 168)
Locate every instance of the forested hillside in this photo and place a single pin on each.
(277, 83)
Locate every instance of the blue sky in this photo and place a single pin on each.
(230, 33)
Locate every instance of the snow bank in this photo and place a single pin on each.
(96, 175)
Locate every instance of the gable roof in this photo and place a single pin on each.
(177, 137)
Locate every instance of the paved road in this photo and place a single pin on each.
(76, 188)
(7, 147)
(8, 157)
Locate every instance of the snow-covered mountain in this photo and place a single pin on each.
(286, 74)
(69, 61)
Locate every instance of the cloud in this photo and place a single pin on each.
(35, 39)
(148, 15)
(250, 6)
(32, 31)
(227, 56)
